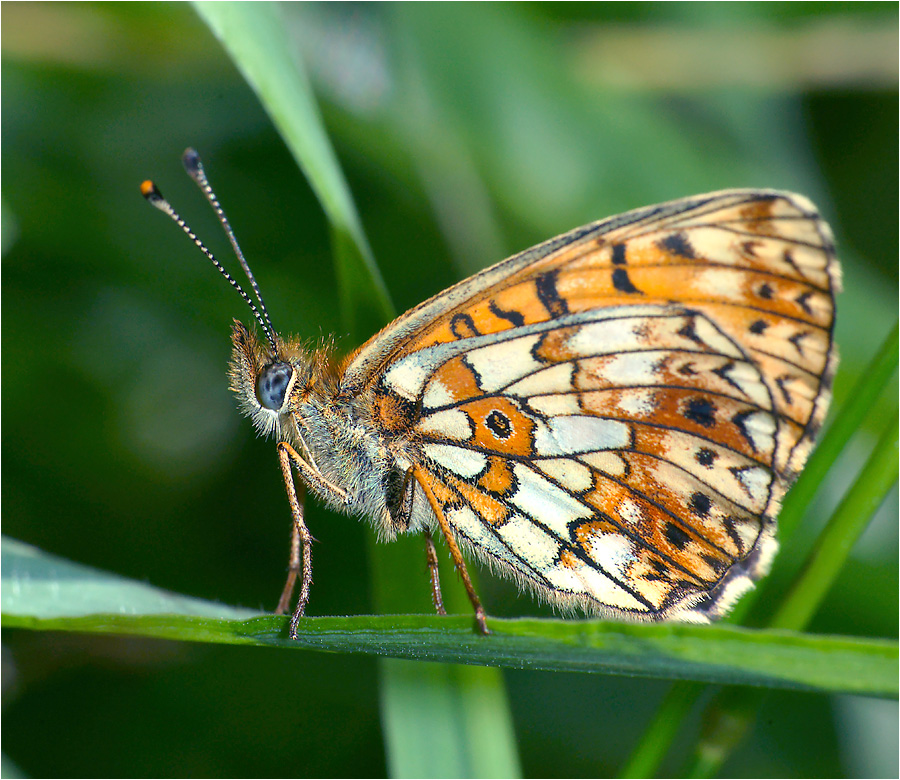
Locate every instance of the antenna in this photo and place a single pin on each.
(194, 168)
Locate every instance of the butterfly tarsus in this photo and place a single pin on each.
(301, 544)
(284, 602)
(432, 561)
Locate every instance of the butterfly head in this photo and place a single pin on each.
(269, 383)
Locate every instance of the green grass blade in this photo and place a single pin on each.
(37, 585)
(465, 704)
(254, 36)
(846, 525)
(723, 654)
(733, 710)
(662, 730)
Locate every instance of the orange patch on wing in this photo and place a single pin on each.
(458, 379)
(486, 507)
(498, 478)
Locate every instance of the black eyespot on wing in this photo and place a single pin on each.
(272, 385)
(498, 424)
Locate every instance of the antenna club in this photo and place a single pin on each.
(151, 192)
(191, 161)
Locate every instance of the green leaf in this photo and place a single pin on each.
(255, 38)
(40, 586)
(720, 653)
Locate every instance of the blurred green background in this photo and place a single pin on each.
(467, 132)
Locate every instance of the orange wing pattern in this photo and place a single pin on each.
(613, 416)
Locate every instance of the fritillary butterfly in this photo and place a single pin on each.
(610, 418)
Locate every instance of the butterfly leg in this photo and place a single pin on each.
(432, 560)
(293, 572)
(311, 474)
(480, 616)
(301, 544)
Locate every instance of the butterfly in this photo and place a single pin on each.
(610, 418)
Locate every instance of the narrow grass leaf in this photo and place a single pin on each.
(255, 37)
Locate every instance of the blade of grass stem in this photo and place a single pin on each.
(836, 541)
(662, 730)
(255, 37)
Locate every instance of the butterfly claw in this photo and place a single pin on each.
(481, 621)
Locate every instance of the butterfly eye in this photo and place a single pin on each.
(272, 385)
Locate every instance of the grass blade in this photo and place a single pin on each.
(255, 38)
(723, 654)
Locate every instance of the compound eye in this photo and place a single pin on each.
(273, 384)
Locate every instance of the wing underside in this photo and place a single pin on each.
(613, 417)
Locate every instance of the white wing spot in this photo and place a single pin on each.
(545, 502)
(556, 379)
(503, 363)
(530, 542)
(568, 472)
(406, 377)
(756, 482)
(576, 434)
(606, 462)
(584, 579)
(461, 461)
(637, 403)
(614, 552)
(436, 395)
(473, 527)
(555, 405)
(448, 423)
(629, 368)
(760, 427)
